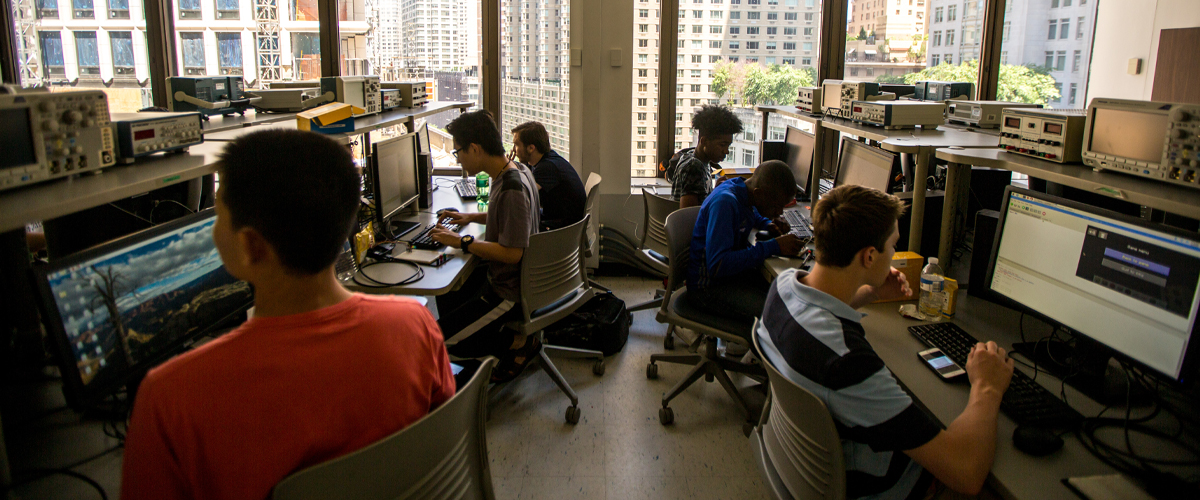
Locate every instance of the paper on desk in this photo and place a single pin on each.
(1107, 487)
(423, 256)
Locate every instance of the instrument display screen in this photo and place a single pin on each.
(18, 142)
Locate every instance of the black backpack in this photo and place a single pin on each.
(668, 171)
(601, 324)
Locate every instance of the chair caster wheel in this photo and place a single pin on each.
(708, 377)
(652, 371)
(666, 416)
(573, 413)
(598, 368)
(747, 428)
(669, 342)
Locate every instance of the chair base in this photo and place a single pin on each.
(573, 412)
(654, 303)
(712, 366)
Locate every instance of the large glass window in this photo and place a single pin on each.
(937, 40)
(645, 85)
(354, 34)
(535, 75)
(1037, 47)
(229, 53)
(106, 52)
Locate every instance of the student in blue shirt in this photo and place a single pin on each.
(724, 273)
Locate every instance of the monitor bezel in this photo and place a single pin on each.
(377, 204)
(868, 149)
(423, 145)
(803, 184)
(1191, 355)
(79, 395)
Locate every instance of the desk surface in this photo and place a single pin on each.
(438, 280)
(217, 123)
(913, 139)
(1175, 199)
(793, 112)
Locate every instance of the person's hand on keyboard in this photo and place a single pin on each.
(779, 226)
(445, 236)
(989, 368)
(459, 218)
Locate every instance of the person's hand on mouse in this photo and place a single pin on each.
(989, 367)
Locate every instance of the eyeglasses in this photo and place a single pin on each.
(455, 152)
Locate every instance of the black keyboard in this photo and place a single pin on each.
(466, 189)
(824, 186)
(801, 224)
(1025, 401)
(425, 242)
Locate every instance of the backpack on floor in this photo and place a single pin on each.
(601, 324)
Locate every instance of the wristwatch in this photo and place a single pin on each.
(466, 242)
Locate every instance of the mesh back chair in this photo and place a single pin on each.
(652, 250)
(678, 311)
(441, 456)
(796, 442)
(553, 285)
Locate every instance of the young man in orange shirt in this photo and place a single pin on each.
(318, 372)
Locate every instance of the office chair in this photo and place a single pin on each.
(592, 233)
(678, 311)
(441, 456)
(652, 249)
(796, 442)
(553, 285)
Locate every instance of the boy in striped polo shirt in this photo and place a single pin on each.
(811, 332)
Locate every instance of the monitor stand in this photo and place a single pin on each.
(398, 228)
(1088, 367)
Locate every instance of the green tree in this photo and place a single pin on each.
(890, 79)
(776, 84)
(729, 79)
(862, 33)
(1028, 84)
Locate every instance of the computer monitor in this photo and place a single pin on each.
(394, 176)
(423, 138)
(863, 165)
(119, 309)
(800, 147)
(1125, 283)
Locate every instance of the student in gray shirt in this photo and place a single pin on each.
(472, 318)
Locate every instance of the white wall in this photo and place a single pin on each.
(1127, 29)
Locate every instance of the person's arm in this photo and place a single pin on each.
(512, 218)
(720, 241)
(545, 174)
(961, 456)
(442, 384)
(151, 468)
(689, 200)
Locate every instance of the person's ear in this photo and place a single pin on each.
(255, 248)
(867, 257)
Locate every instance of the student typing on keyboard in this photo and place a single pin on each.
(811, 330)
(473, 316)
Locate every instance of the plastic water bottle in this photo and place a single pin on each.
(482, 188)
(932, 290)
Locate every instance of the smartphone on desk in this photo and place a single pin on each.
(941, 364)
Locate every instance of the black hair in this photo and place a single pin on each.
(534, 134)
(776, 177)
(716, 120)
(477, 127)
(300, 190)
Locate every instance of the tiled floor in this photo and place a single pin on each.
(619, 450)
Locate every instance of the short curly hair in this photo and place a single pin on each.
(850, 218)
(716, 120)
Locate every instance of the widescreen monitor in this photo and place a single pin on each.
(394, 175)
(800, 147)
(1128, 284)
(119, 309)
(863, 165)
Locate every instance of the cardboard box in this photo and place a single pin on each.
(332, 118)
(909, 263)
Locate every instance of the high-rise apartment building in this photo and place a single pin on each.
(535, 52)
(435, 37)
(888, 38)
(745, 32)
(1055, 34)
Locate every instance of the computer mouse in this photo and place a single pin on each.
(1036, 441)
(440, 211)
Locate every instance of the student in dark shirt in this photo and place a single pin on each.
(559, 187)
(691, 180)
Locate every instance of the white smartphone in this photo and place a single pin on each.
(941, 364)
